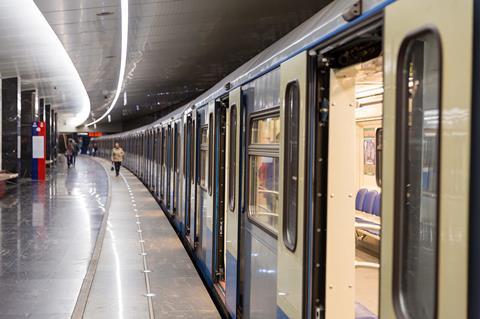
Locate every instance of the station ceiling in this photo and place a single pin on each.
(176, 48)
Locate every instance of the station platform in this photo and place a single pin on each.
(87, 244)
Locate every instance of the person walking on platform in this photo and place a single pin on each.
(76, 151)
(95, 148)
(69, 154)
(117, 157)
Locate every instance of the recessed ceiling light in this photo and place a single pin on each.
(104, 13)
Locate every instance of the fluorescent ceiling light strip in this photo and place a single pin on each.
(123, 61)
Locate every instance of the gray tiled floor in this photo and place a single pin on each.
(47, 234)
(119, 285)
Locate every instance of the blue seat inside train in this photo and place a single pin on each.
(368, 201)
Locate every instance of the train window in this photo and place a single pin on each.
(292, 122)
(203, 156)
(263, 172)
(265, 131)
(233, 157)
(210, 153)
(417, 180)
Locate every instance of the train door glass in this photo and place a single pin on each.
(178, 164)
(164, 164)
(175, 153)
(219, 194)
(353, 206)
(169, 167)
(417, 177)
(201, 235)
(187, 171)
(195, 164)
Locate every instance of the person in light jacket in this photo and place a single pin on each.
(69, 154)
(117, 157)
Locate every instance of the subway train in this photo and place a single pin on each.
(334, 175)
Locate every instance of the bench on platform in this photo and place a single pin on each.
(6, 176)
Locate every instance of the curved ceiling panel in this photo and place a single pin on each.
(90, 31)
(32, 51)
(177, 49)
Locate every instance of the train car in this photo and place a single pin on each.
(330, 176)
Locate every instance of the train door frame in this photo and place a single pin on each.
(175, 130)
(168, 172)
(149, 152)
(176, 166)
(291, 219)
(162, 164)
(186, 172)
(202, 124)
(193, 179)
(152, 157)
(140, 154)
(319, 65)
(154, 161)
(146, 178)
(157, 162)
(143, 155)
(219, 190)
(440, 29)
(266, 86)
(232, 200)
(474, 244)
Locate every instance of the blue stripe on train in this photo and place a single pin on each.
(281, 314)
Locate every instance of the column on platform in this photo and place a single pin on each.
(41, 110)
(48, 122)
(11, 125)
(27, 118)
(55, 136)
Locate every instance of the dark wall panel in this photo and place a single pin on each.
(10, 125)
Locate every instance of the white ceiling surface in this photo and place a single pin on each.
(31, 50)
(176, 48)
(93, 42)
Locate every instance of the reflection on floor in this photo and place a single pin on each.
(366, 287)
(143, 267)
(47, 233)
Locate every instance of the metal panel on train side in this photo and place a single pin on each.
(205, 201)
(259, 245)
(290, 261)
(452, 22)
(340, 250)
(231, 217)
(193, 172)
(179, 183)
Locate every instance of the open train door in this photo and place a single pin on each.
(290, 244)
(428, 70)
